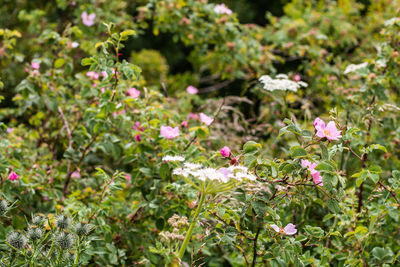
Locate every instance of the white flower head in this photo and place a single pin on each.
(173, 158)
(281, 82)
(352, 67)
(391, 22)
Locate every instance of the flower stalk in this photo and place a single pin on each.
(191, 227)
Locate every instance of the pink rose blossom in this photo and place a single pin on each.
(169, 132)
(35, 65)
(184, 124)
(13, 176)
(76, 174)
(329, 131)
(205, 119)
(193, 116)
(104, 74)
(316, 175)
(192, 90)
(289, 229)
(92, 75)
(225, 152)
(222, 9)
(138, 138)
(133, 92)
(88, 20)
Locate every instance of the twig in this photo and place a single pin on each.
(255, 247)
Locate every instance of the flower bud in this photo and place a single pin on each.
(35, 233)
(3, 206)
(17, 240)
(63, 222)
(65, 240)
(82, 229)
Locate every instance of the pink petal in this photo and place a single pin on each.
(305, 163)
(290, 229)
(206, 119)
(275, 227)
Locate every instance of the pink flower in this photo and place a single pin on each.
(184, 124)
(92, 75)
(317, 178)
(205, 119)
(225, 151)
(169, 132)
(289, 229)
(13, 176)
(133, 92)
(102, 90)
(10, 130)
(222, 9)
(76, 174)
(193, 116)
(297, 78)
(137, 138)
(104, 74)
(329, 131)
(137, 127)
(35, 65)
(128, 177)
(192, 90)
(88, 20)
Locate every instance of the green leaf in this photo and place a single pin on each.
(298, 152)
(374, 177)
(314, 231)
(251, 147)
(127, 33)
(87, 61)
(164, 171)
(333, 205)
(59, 63)
(396, 174)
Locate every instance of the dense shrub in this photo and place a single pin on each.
(167, 132)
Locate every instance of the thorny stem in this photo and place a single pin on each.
(191, 227)
(255, 247)
(364, 160)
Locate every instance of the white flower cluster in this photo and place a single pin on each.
(281, 82)
(173, 158)
(222, 175)
(353, 67)
(391, 22)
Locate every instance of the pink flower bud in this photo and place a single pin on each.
(225, 151)
(13, 176)
(184, 124)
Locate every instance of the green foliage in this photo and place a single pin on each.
(107, 160)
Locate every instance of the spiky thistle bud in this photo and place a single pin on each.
(82, 229)
(17, 240)
(37, 220)
(65, 240)
(3, 206)
(34, 233)
(63, 222)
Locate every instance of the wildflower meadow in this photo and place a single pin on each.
(200, 133)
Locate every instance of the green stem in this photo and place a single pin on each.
(191, 227)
